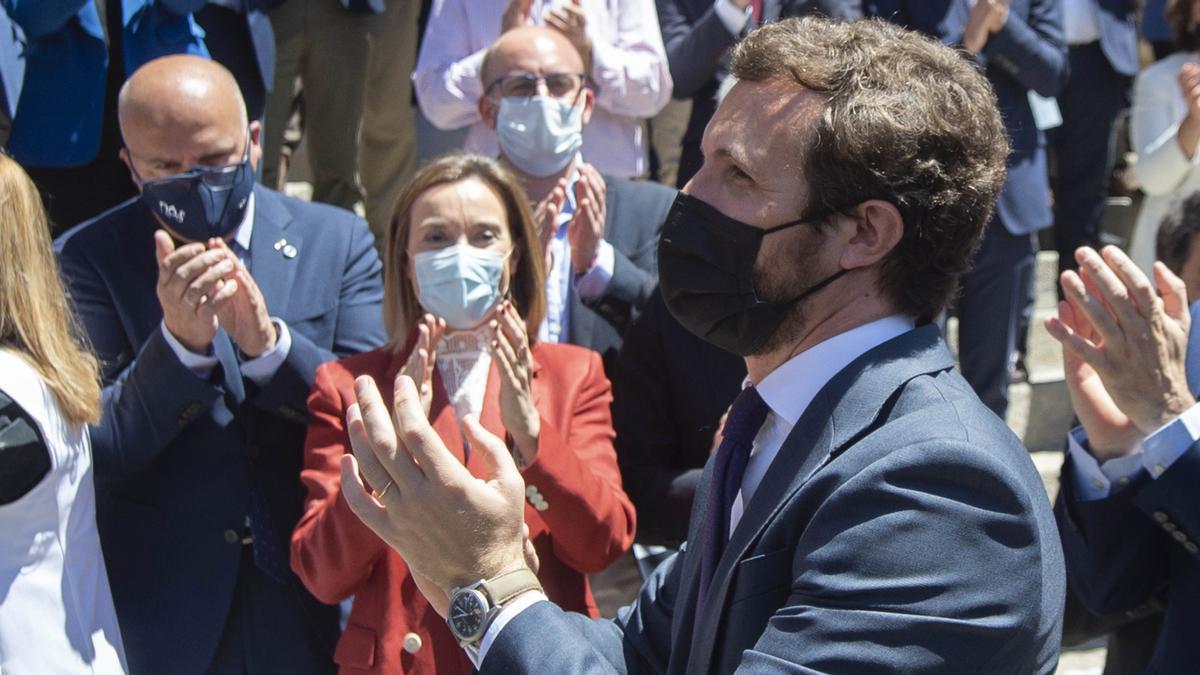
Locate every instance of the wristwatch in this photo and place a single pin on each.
(473, 607)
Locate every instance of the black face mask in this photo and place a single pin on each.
(706, 273)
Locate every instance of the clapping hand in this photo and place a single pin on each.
(545, 216)
(421, 361)
(245, 316)
(510, 346)
(451, 528)
(570, 20)
(516, 14)
(1124, 347)
(586, 230)
(986, 17)
(192, 289)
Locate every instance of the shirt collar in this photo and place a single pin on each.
(790, 388)
(247, 227)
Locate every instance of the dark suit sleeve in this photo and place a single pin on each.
(38, 18)
(694, 49)
(181, 6)
(24, 457)
(1116, 557)
(359, 328)
(648, 445)
(148, 398)
(1034, 53)
(545, 639)
(894, 11)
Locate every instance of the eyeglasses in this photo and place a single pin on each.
(558, 85)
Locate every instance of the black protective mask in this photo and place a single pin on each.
(706, 273)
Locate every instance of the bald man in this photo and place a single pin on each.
(601, 232)
(210, 301)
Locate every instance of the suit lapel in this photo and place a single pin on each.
(271, 242)
(846, 409)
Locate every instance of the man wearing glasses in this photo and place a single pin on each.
(619, 40)
(210, 301)
(600, 232)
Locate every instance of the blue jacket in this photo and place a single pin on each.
(1028, 54)
(901, 528)
(58, 115)
(176, 455)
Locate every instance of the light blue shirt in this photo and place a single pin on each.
(1154, 455)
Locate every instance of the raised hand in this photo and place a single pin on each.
(570, 20)
(245, 316)
(423, 358)
(451, 528)
(516, 14)
(986, 17)
(545, 216)
(1135, 342)
(191, 290)
(586, 230)
(510, 347)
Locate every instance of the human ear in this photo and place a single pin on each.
(878, 229)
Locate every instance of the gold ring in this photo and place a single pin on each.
(381, 493)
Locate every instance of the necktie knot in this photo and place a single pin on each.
(746, 417)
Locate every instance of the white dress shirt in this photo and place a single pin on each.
(258, 370)
(788, 390)
(57, 611)
(629, 66)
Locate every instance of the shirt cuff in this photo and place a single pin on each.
(593, 283)
(1171, 441)
(733, 18)
(262, 368)
(201, 365)
(1095, 481)
(507, 613)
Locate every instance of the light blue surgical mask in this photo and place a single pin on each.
(460, 283)
(539, 134)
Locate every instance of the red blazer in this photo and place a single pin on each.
(585, 521)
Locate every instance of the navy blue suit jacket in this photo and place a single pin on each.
(698, 46)
(634, 215)
(1028, 54)
(901, 528)
(58, 115)
(176, 455)
(1117, 20)
(1142, 544)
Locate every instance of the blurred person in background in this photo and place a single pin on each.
(619, 42)
(238, 35)
(211, 301)
(699, 34)
(57, 615)
(1165, 129)
(464, 295)
(76, 55)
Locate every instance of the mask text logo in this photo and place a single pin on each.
(169, 211)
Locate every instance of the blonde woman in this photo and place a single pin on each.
(56, 611)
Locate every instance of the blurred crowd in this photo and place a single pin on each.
(218, 216)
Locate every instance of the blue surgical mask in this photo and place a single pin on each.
(203, 202)
(539, 134)
(460, 284)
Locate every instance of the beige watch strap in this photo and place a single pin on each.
(509, 585)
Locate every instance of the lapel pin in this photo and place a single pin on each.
(280, 244)
(289, 251)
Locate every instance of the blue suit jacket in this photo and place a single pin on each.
(175, 455)
(901, 528)
(58, 115)
(1117, 21)
(634, 214)
(1142, 545)
(1029, 53)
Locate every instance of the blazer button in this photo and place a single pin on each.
(1169, 526)
(231, 537)
(412, 643)
(1161, 516)
(1190, 547)
(1179, 536)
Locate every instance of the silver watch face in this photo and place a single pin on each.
(468, 610)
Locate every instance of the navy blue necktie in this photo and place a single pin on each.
(746, 417)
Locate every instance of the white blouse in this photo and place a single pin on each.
(56, 609)
(463, 360)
